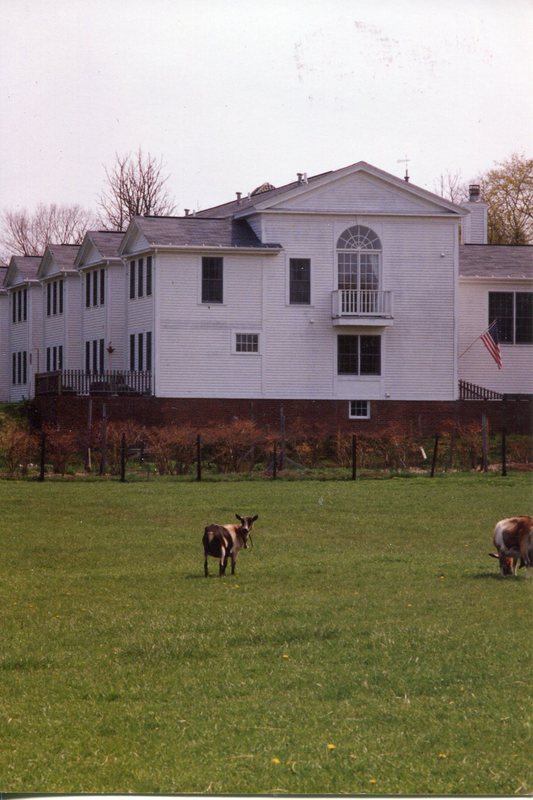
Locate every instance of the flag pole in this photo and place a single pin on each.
(475, 340)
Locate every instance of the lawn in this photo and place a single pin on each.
(365, 645)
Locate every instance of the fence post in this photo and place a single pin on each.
(504, 452)
(198, 458)
(103, 459)
(484, 444)
(435, 449)
(354, 456)
(88, 464)
(42, 456)
(123, 458)
(275, 463)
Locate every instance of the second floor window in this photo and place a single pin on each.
(300, 281)
(513, 312)
(358, 258)
(95, 288)
(19, 305)
(212, 280)
(140, 278)
(54, 298)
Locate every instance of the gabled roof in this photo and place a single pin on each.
(265, 200)
(495, 261)
(22, 269)
(105, 243)
(62, 256)
(194, 232)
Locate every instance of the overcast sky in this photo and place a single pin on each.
(233, 93)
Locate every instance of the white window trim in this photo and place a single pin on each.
(236, 352)
(212, 303)
(359, 416)
(302, 306)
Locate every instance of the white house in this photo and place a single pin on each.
(61, 307)
(102, 308)
(25, 314)
(342, 286)
(4, 338)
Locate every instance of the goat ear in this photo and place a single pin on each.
(239, 518)
(256, 517)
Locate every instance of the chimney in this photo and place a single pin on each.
(239, 195)
(474, 193)
(187, 212)
(300, 177)
(474, 226)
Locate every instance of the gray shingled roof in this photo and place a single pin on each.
(495, 261)
(107, 242)
(27, 266)
(195, 231)
(228, 209)
(64, 255)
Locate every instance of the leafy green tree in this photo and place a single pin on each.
(508, 191)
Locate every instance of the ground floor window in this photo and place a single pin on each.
(513, 312)
(359, 409)
(141, 351)
(94, 355)
(358, 355)
(19, 363)
(54, 358)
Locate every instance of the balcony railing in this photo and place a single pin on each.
(83, 383)
(364, 303)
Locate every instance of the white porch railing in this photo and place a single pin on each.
(365, 303)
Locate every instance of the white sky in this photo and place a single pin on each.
(232, 93)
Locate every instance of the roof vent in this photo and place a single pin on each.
(474, 193)
(239, 195)
(187, 212)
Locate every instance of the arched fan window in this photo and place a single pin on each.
(358, 259)
(358, 237)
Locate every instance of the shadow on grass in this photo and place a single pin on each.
(490, 576)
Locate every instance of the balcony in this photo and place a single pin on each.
(365, 307)
(86, 383)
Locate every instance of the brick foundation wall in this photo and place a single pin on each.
(425, 417)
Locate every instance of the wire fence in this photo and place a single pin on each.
(242, 450)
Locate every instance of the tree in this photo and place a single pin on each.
(135, 185)
(508, 191)
(452, 187)
(27, 233)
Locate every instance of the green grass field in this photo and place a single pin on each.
(366, 644)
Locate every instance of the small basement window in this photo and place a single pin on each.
(359, 409)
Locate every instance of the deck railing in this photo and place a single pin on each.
(365, 303)
(82, 382)
(470, 391)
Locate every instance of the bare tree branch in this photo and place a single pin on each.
(27, 233)
(135, 185)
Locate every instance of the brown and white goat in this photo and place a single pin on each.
(514, 544)
(225, 541)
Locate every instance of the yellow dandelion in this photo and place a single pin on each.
(276, 760)
(285, 655)
(443, 755)
(332, 746)
(372, 780)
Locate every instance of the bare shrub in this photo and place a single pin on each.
(171, 448)
(18, 449)
(61, 449)
(235, 447)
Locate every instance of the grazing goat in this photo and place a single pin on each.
(225, 541)
(514, 544)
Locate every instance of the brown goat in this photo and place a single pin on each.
(225, 541)
(514, 545)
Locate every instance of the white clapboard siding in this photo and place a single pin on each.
(4, 347)
(477, 365)
(361, 193)
(72, 346)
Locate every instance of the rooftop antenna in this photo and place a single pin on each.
(405, 161)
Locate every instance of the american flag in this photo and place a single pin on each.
(492, 343)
